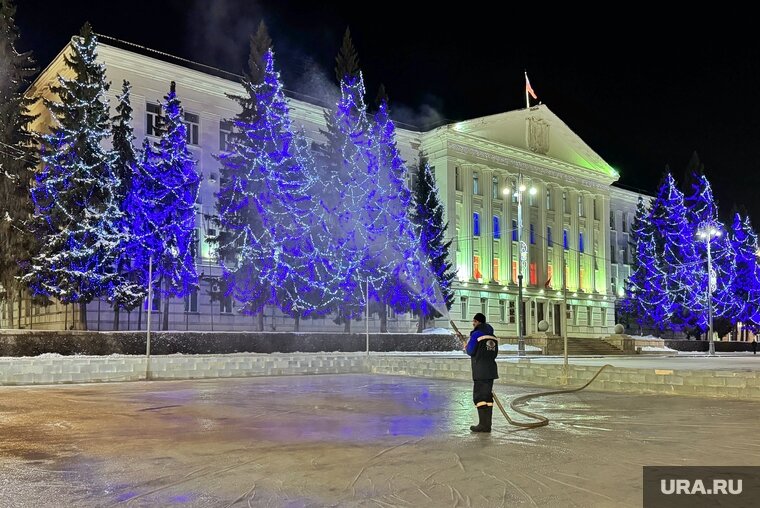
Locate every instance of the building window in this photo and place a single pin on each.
(580, 243)
(476, 224)
(192, 123)
(612, 220)
(496, 228)
(225, 130)
(456, 240)
(549, 242)
(548, 198)
(153, 119)
(463, 309)
(532, 200)
(613, 283)
(532, 235)
(514, 230)
(514, 271)
(476, 267)
(625, 222)
(581, 273)
(581, 208)
(565, 242)
(533, 275)
(495, 188)
(549, 274)
(515, 191)
(156, 300)
(511, 312)
(457, 179)
(496, 269)
(502, 311)
(613, 255)
(191, 301)
(225, 304)
(195, 244)
(484, 307)
(475, 185)
(565, 203)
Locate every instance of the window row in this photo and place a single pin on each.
(532, 232)
(541, 310)
(154, 122)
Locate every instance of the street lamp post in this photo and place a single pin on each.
(523, 261)
(708, 233)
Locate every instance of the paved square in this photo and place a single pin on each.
(347, 440)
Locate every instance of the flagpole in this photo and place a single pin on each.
(527, 100)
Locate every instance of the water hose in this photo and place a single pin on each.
(541, 420)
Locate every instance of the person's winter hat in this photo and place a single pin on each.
(480, 318)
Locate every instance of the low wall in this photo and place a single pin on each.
(744, 385)
(50, 369)
(703, 346)
(37, 342)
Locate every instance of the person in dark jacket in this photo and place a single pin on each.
(483, 347)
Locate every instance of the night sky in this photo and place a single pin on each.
(642, 90)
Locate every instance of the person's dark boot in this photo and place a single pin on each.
(484, 419)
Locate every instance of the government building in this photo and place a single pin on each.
(574, 221)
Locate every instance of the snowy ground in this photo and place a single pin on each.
(351, 440)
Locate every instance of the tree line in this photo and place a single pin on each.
(670, 288)
(306, 226)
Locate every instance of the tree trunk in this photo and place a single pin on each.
(139, 316)
(421, 324)
(10, 310)
(383, 318)
(66, 316)
(260, 321)
(83, 316)
(115, 316)
(165, 317)
(19, 309)
(297, 319)
(346, 324)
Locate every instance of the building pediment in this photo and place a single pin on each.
(538, 131)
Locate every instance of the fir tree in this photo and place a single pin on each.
(429, 218)
(344, 161)
(162, 205)
(281, 264)
(397, 241)
(746, 284)
(18, 159)
(681, 262)
(76, 213)
(646, 298)
(702, 212)
(239, 223)
(127, 292)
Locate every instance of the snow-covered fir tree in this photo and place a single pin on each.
(128, 289)
(76, 214)
(162, 206)
(18, 158)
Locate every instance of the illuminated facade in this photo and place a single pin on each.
(565, 223)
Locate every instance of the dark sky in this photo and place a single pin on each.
(643, 90)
